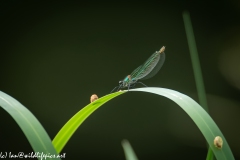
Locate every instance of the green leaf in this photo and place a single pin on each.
(33, 130)
(195, 61)
(196, 66)
(200, 117)
(71, 126)
(129, 153)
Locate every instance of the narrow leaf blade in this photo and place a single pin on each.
(31, 127)
(72, 125)
(128, 150)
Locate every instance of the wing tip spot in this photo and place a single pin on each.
(162, 49)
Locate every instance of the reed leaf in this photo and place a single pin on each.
(31, 127)
(72, 125)
(128, 150)
(200, 117)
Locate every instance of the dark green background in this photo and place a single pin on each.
(55, 55)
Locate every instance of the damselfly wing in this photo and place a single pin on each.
(147, 70)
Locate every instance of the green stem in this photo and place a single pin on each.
(195, 61)
(196, 66)
(210, 154)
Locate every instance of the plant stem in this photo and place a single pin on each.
(196, 68)
(210, 155)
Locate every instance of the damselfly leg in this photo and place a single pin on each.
(145, 71)
(119, 87)
(116, 87)
(133, 85)
(128, 86)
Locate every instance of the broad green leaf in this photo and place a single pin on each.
(72, 125)
(33, 130)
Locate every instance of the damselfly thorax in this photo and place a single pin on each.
(147, 70)
(127, 81)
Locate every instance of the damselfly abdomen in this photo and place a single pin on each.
(147, 70)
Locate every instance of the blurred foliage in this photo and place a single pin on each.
(52, 53)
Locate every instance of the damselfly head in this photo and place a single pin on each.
(120, 82)
(129, 77)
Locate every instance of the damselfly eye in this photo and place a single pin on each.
(145, 71)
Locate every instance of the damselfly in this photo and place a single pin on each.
(147, 70)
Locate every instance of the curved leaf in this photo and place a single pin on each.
(200, 117)
(72, 125)
(33, 130)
